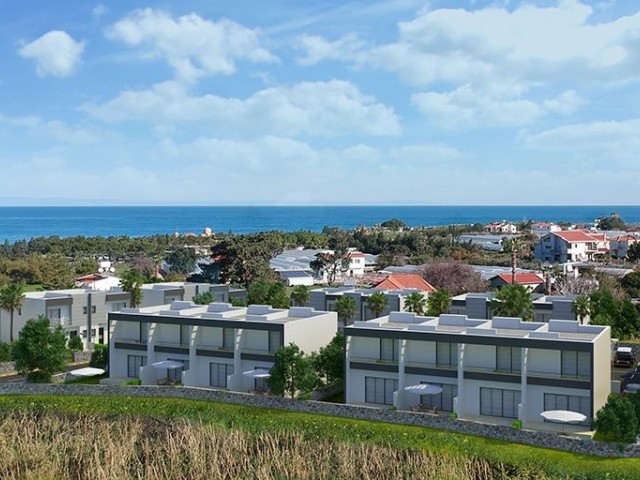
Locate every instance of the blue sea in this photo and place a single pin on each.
(18, 223)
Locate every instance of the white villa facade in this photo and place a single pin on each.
(487, 369)
(570, 246)
(216, 343)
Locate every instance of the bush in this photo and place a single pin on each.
(517, 424)
(75, 344)
(6, 351)
(38, 376)
(135, 381)
(100, 356)
(617, 421)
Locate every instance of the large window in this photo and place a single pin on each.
(573, 403)
(446, 354)
(175, 374)
(497, 402)
(379, 390)
(388, 350)
(275, 341)
(218, 373)
(443, 401)
(144, 332)
(134, 363)
(228, 338)
(575, 364)
(185, 335)
(508, 359)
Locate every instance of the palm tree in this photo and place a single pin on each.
(377, 302)
(300, 295)
(11, 297)
(131, 281)
(439, 302)
(513, 300)
(346, 309)
(581, 307)
(416, 303)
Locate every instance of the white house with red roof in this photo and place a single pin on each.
(570, 246)
(500, 227)
(532, 281)
(406, 281)
(542, 228)
(619, 245)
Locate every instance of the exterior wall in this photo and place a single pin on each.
(355, 391)
(535, 399)
(544, 361)
(480, 357)
(469, 401)
(420, 352)
(562, 309)
(313, 332)
(601, 370)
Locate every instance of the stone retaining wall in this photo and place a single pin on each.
(7, 368)
(540, 439)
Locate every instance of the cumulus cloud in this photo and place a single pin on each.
(191, 45)
(100, 10)
(309, 108)
(56, 53)
(566, 103)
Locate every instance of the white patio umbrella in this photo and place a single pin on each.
(86, 372)
(257, 373)
(424, 389)
(168, 364)
(563, 416)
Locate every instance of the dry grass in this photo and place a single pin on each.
(80, 446)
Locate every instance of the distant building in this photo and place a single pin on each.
(620, 245)
(500, 227)
(542, 228)
(490, 242)
(405, 281)
(294, 266)
(570, 246)
(532, 281)
(97, 281)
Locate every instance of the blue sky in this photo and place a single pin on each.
(320, 102)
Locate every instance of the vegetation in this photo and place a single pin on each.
(75, 344)
(6, 351)
(377, 302)
(292, 372)
(513, 300)
(182, 260)
(499, 460)
(612, 222)
(11, 298)
(99, 356)
(40, 351)
(619, 313)
(581, 307)
(204, 298)
(300, 295)
(633, 252)
(346, 308)
(329, 361)
(394, 224)
(262, 292)
(416, 302)
(617, 420)
(631, 283)
(131, 281)
(453, 276)
(439, 302)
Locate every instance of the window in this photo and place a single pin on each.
(261, 383)
(175, 374)
(379, 390)
(573, 403)
(446, 354)
(185, 335)
(388, 350)
(84, 310)
(134, 363)
(93, 309)
(443, 401)
(228, 338)
(575, 364)
(275, 341)
(508, 359)
(54, 313)
(144, 332)
(497, 402)
(117, 306)
(218, 373)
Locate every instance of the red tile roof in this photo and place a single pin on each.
(357, 255)
(522, 278)
(402, 281)
(578, 236)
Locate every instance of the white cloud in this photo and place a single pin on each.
(56, 53)
(317, 49)
(19, 121)
(309, 108)
(100, 10)
(566, 103)
(191, 45)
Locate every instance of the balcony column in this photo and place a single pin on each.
(522, 408)
(151, 343)
(347, 369)
(237, 348)
(457, 403)
(401, 363)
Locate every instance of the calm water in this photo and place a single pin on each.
(26, 222)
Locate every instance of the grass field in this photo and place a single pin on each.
(514, 460)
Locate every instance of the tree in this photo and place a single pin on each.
(415, 302)
(292, 372)
(131, 282)
(631, 283)
(99, 356)
(331, 264)
(513, 300)
(633, 252)
(55, 272)
(453, 276)
(619, 314)
(262, 292)
(75, 344)
(329, 362)
(11, 298)
(204, 298)
(345, 308)
(439, 302)
(85, 266)
(617, 421)
(377, 302)
(581, 307)
(182, 260)
(394, 224)
(612, 222)
(300, 295)
(40, 351)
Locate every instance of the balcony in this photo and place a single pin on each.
(558, 376)
(60, 321)
(130, 344)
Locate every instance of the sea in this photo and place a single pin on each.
(18, 223)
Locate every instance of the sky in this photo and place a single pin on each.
(199, 102)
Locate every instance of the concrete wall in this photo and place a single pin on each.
(313, 332)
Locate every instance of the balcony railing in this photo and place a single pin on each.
(61, 321)
(559, 376)
(378, 361)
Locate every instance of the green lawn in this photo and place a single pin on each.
(523, 459)
(36, 287)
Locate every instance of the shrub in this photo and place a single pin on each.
(38, 376)
(617, 421)
(135, 381)
(75, 344)
(517, 424)
(6, 351)
(99, 356)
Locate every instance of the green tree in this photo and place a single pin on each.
(612, 222)
(631, 283)
(439, 302)
(131, 282)
(258, 293)
(6, 351)
(182, 260)
(617, 421)
(513, 300)
(300, 295)
(100, 356)
(75, 344)
(416, 302)
(394, 224)
(204, 298)
(55, 272)
(329, 362)
(633, 252)
(85, 266)
(40, 351)
(581, 307)
(377, 302)
(345, 308)
(11, 298)
(292, 372)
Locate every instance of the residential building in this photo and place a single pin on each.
(542, 228)
(489, 242)
(546, 307)
(79, 310)
(500, 227)
(532, 281)
(620, 244)
(406, 281)
(570, 246)
(216, 343)
(294, 266)
(98, 281)
(490, 370)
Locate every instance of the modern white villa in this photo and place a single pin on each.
(486, 370)
(216, 344)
